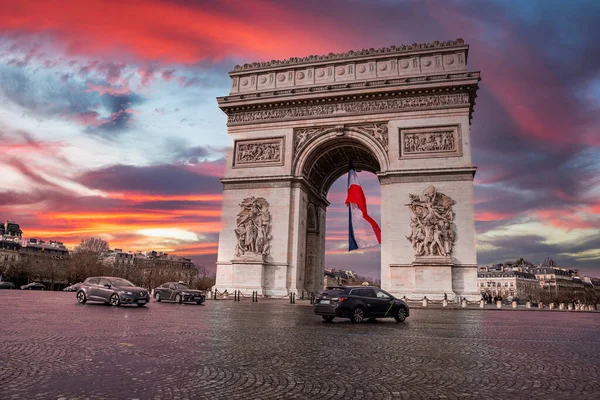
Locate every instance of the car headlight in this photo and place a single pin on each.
(185, 293)
(128, 293)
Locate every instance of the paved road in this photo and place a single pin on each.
(53, 348)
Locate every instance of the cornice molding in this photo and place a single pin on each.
(350, 55)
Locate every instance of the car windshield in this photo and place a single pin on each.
(119, 282)
(181, 286)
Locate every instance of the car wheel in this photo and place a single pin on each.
(178, 299)
(114, 300)
(358, 315)
(400, 315)
(157, 297)
(81, 299)
(328, 318)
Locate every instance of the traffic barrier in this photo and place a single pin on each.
(528, 305)
(445, 303)
(561, 306)
(481, 303)
(499, 304)
(570, 307)
(464, 303)
(551, 306)
(514, 304)
(425, 301)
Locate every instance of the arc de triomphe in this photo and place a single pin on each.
(402, 113)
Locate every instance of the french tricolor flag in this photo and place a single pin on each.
(363, 230)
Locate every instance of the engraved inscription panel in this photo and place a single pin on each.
(258, 153)
(443, 141)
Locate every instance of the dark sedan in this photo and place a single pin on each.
(34, 286)
(178, 292)
(7, 285)
(359, 303)
(73, 288)
(114, 291)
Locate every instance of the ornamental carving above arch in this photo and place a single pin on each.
(375, 130)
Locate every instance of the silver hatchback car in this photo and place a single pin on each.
(115, 291)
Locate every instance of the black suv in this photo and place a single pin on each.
(358, 303)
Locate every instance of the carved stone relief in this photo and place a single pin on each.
(253, 230)
(377, 130)
(431, 223)
(256, 153)
(428, 142)
(356, 107)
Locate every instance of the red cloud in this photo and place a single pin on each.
(169, 32)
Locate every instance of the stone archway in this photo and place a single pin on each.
(318, 162)
(402, 113)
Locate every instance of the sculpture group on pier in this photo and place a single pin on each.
(431, 223)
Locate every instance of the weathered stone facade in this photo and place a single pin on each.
(402, 113)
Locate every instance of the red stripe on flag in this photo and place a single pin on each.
(357, 196)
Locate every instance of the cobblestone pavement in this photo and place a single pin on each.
(53, 348)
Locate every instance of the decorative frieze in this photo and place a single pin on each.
(431, 223)
(349, 108)
(359, 53)
(376, 130)
(253, 230)
(365, 65)
(259, 153)
(443, 141)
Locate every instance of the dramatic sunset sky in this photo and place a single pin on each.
(109, 124)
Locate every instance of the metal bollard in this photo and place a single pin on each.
(514, 304)
(482, 303)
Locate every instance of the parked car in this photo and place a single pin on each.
(72, 288)
(7, 285)
(115, 291)
(34, 286)
(178, 292)
(359, 303)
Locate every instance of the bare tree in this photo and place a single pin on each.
(95, 245)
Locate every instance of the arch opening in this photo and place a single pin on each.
(330, 160)
(324, 167)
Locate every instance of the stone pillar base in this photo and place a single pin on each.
(433, 278)
(247, 274)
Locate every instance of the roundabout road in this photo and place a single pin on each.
(52, 348)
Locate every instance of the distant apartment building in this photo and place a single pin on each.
(546, 281)
(148, 259)
(119, 256)
(10, 242)
(508, 283)
(50, 248)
